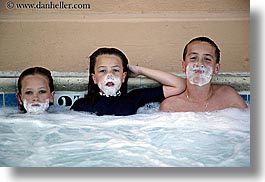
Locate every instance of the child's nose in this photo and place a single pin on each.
(35, 97)
(109, 75)
(200, 61)
(199, 64)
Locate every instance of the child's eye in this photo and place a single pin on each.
(116, 70)
(42, 91)
(192, 58)
(102, 71)
(208, 59)
(28, 92)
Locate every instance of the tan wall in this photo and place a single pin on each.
(152, 33)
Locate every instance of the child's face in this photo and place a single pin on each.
(109, 74)
(200, 63)
(35, 92)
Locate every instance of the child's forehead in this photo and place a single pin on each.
(108, 60)
(198, 47)
(36, 77)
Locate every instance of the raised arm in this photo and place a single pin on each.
(172, 85)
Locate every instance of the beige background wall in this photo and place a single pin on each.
(152, 33)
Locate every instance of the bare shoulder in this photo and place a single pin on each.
(229, 96)
(224, 89)
(168, 103)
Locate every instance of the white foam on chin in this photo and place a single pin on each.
(32, 108)
(199, 79)
(110, 90)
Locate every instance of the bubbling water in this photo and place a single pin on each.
(149, 138)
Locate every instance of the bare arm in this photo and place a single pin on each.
(172, 85)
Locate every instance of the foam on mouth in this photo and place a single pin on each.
(36, 107)
(199, 71)
(198, 75)
(109, 84)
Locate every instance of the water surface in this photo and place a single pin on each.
(150, 138)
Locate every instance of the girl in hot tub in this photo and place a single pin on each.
(35, 90)
(107, 87)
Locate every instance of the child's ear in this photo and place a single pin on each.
(94, 78)
(19, 99)
(51, 99)
(124, 74)
(217, 68)
(183, 66)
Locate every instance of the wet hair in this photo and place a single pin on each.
(203, 39)
(34, 71)
(93, 89)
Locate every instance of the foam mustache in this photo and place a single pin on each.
(199, 74)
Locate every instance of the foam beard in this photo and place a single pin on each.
(199, 74)
(110, 85)
(36, 107)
